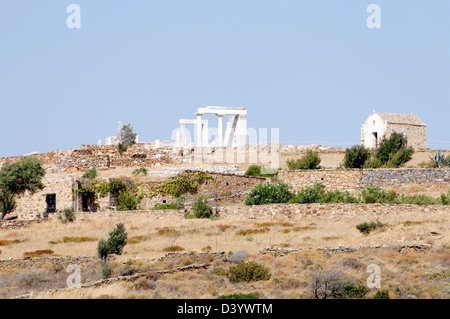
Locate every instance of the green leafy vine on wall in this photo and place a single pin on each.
(183, 183)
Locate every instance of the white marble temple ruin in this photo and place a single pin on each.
(235, 132)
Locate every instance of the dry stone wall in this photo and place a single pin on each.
(354, 180)
(287, 211)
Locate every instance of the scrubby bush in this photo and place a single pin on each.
(399, 158)
(91, 174)
(334, 285)
(393, 151)
(318, 194)
(372, 162)
(253, 170)
(376, 194)
(310, 194)
(311, 160)
(417, 200)
(256, 170)
(67, 215)
(201, 208)
(127, 200)
(390, 145)
(269, 193)
(141, 170)
(382, 294)
(366, 228)
(445, 199)
(105, 270)
(356, 156)
(248, 272)
(102, 249)
(337, 196)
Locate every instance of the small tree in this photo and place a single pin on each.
(394, 151)
(115, 243)
(127, 137)
(356, 156)
(16, 178)
(117, 239)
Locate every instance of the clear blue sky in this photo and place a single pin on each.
(311, 68)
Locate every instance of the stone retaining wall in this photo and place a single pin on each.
(283, 211)
(29, 263)
(353, 180)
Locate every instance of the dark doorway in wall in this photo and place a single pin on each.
(85, 200)
(375, 139)
(51, 203)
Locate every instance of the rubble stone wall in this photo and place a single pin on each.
(354, 180)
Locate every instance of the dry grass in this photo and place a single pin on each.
(6, 242)
(403, 273)
(173, 249)
(38, 253)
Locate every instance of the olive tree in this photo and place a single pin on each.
(127, 137)
(16, 178)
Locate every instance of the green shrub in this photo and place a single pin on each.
(366, 228)
(128, 201)
(417, 200)
(356, 156)
(67, 215)
(269, 193)
(310, 194)
(372, 162)
(311, 160)
(337, 196)
(141, 170)
(333, 285)
(219, 271)
(253, 170)
(248, 272)
(399, 158)
(445, 199)
(91, 174)
(382, 294)
(105, 270)
(376, 194)
(201, 208)
(239, 296)
(116, 186)
(115, 243)
(393, 151)
(102, 249)
(117, 239)
(317, 194)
